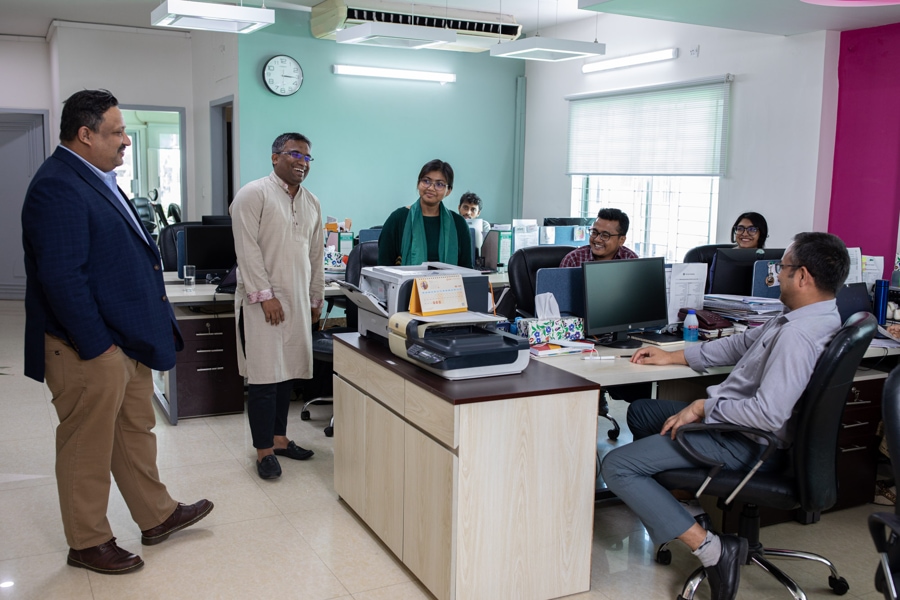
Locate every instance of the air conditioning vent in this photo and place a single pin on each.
(476, 31)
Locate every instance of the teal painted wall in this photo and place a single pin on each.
(371, 136)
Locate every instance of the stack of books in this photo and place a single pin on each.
(561, 347)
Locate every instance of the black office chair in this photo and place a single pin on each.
(174, 213)
(168, 249)
(362, 255)
(704, 254)
(808, 479)
(523, 267)
(885, 526)
(146, 213)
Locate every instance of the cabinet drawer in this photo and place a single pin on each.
(433, 415)
(350, 365)
(385, 386)
(207, 336)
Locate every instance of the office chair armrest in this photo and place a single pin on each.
(716, 466)
(881, 524)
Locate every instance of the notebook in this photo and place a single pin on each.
(657, 339)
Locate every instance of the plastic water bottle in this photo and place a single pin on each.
(691, 327)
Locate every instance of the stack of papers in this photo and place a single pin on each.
(752, 310)
(561, 347)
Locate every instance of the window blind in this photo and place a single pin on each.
(672, 129)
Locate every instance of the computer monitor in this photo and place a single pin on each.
(216, 220)
(622, 295)
(732, 269)
(563, 221)
(210, 248)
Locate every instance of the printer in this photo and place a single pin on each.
(457, 346)
(383, 291)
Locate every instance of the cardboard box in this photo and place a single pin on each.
(541, 331)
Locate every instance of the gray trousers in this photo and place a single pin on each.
(629, 469)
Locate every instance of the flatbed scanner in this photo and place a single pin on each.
(383, 291)
(457, 346)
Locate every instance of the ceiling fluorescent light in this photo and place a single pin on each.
(852, 3)
(547, 49)
(441, 78)
(206, 16)
(395, 35)
(630, 61)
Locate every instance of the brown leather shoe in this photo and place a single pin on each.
(106, 558)
(185, 515)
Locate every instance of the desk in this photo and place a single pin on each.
(482, 488)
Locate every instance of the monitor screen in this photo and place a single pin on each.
(216, 219)
(732, 269)
(210, 248)
(621, 295)
(564, 221)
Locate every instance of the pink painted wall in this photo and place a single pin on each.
(865, 195)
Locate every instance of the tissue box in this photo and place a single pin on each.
(541, 331)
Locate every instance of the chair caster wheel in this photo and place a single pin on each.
(613, 434)
(304, 416)
(664, 556)
(838, 585)
(329, 432)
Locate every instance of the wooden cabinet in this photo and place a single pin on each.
(205, 380)
(484, 489)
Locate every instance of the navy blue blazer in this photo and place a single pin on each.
(94, 277)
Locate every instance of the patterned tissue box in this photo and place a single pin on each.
(541, 331)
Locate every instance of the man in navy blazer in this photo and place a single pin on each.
(97, 322)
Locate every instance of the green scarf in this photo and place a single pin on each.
(414, 249)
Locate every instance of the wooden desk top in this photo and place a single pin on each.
(537, 379)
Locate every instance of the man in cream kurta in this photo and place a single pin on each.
(278, 239)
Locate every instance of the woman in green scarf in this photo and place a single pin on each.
(427, 231)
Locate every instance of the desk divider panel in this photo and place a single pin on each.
(760, 274)
(567, 286)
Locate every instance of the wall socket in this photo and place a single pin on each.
(695, 51)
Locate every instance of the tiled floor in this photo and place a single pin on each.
(292, 538)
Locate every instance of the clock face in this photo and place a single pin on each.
(282, 75)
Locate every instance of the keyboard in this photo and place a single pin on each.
(657, 339)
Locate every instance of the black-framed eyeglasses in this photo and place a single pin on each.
(604, 235)
(438, 185)
(298, 156)
(752, 230)
(780, 265)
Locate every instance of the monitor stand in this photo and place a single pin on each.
(621, 340)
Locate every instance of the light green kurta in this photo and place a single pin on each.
(280, 247)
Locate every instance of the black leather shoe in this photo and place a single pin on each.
(185, 515)
(725, 576)
(106, 558)
(268, 467)
(294, 451)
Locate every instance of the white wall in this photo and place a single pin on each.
(25, 71)
(145, 67)
(777, 116)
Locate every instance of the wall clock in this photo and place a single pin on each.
(282, 75)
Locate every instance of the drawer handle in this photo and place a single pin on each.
(208, 333)
(853, 449)
(211, 350)
(211, 369)
(859, 402)
(852, 425)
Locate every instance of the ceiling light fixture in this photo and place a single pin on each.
(395, 35)
(441, 78)
(207, 16)
(630, 61)
(852, 3)
(548, 49)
